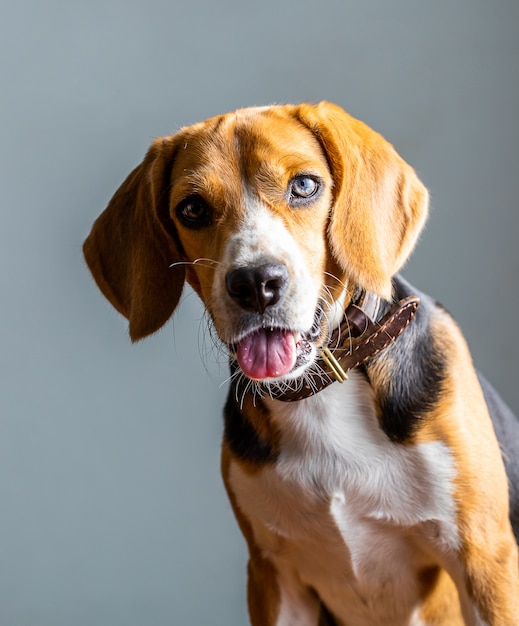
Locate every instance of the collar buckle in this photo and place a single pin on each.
(334, 365)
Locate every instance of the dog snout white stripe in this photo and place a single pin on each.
(263, 237)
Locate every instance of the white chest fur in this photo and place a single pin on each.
(352, 513)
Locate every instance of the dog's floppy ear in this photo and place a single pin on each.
(380, 205)
(131, 245)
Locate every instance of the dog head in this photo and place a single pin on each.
(274, 215)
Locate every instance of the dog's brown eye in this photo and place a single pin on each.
(302, 188)
(193, 212)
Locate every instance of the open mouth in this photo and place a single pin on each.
(275, 352)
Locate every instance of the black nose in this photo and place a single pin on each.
(258, 287)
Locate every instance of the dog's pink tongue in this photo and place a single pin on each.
(267, 354)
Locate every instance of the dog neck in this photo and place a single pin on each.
(359, 337)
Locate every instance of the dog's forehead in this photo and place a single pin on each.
(265, 142)
(272, 133)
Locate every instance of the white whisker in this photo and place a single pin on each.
(210, 263)
(343, 284)
(233, 378)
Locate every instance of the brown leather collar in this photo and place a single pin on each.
(357, 339)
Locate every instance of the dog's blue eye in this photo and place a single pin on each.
(193, 212)
(303, 187)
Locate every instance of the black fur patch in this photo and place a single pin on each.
(240, 435)
(418, 370)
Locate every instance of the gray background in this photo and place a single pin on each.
(112, 510)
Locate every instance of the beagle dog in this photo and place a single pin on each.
(359, 452)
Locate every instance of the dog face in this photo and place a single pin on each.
(274, 215)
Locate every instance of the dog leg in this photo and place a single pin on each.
(490, 595)
(279, 601)
(274, 598)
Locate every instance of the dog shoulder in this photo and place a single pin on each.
(410, 376)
